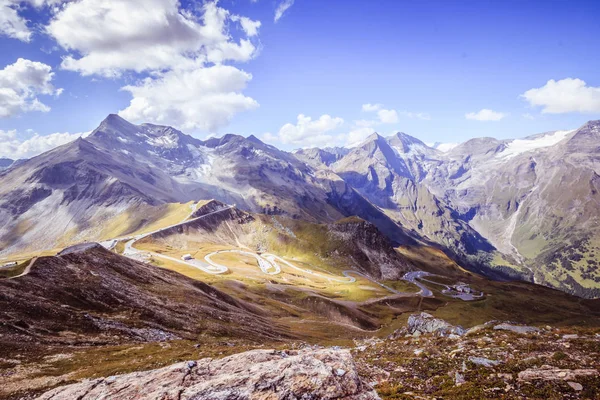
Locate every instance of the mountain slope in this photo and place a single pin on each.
(75, 192)
(536, 200)
(389, 172)
(107, 298)
(525, 208)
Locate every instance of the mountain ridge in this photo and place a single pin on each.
(482, 202)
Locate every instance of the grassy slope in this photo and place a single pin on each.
(288, 298)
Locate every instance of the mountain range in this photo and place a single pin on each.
(510, 209)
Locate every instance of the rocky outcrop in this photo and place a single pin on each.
(258, 374)
(424, 323)
(549, 373)
(521, 329)
(372, 252)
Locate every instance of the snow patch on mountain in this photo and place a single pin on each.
(520, 146)
(168, 140)
(443, 147)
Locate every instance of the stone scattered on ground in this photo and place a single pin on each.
(575, 386)
(257, 374)
(549, 373)
(522, 329)
(485, 362)
(493, 360)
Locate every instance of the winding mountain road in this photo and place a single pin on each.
(412, 278)
(267, 262)
(138, 255)
(264, 264)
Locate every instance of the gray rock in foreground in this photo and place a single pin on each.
(426, 323)
(516, 328)
(257, 374)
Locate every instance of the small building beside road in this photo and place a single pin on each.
(187, 257)
(9, 264)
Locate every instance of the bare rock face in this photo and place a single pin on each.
(257, 374)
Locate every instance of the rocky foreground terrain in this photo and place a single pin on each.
(257, 374)
(427, 359)
(431, 359)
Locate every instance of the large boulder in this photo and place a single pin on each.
(424, 323)
(257, 374)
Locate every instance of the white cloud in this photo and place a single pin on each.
(282, 8)
(528, 116)
(371, 107)
(249, 26)
(107, 37)
(565, 96)
(21, 83)
(384, 116)
(11, 146)
(485, 115)
(357, 135)
(203, 98)
(181, 53)
(11, 23)
(387, 116)
(308, 132)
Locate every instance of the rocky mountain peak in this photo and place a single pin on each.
(254, 139)
(317, 157)
(225, 139)
(586, 139)
(405, 142)
(374, 137)
(478, 147)
(114, 123)
(406, 145)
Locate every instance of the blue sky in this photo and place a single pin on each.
(326, 72)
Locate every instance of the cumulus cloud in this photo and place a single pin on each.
(485, 115)
(282, 8)
(204, 98)
(565, 96)
(387, 116)
(11, 146)
(21, 83)
(180, 54)
(384, 116)
(107, 37)
(249, 26)
(308, 132)
(11, 23)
